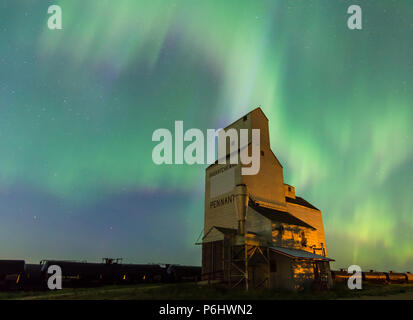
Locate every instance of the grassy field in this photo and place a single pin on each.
(192, 291)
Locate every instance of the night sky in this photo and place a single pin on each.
(78, 107)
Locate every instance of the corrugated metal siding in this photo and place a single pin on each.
(213, 260)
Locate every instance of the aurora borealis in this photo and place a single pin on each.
(78, 107)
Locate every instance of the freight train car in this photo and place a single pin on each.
(11, 273)
(139, 273)
(395, 277)
(77, 274)
(374, 277)
(340, 275)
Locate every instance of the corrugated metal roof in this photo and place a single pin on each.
(231, 231)
(302, 202)
(277, 215)
(295, 253)
(226, 230)
(223, 230)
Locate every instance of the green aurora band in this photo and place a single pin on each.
(78, 108)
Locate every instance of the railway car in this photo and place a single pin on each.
(11, 273)
(395, 277)
(139, 273)
(340, 275)
(177, 273)
(75, 274)
(374, 277)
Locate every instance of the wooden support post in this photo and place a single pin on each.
(268, 268)
(246, 266)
